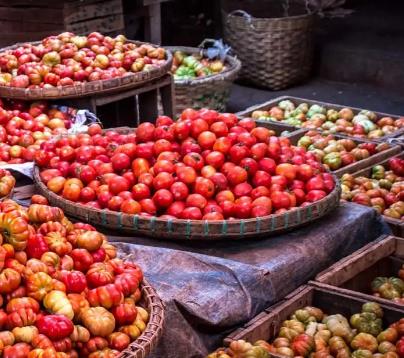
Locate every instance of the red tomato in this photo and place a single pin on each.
(206, 139)
(163, 181)
(179, 190)
(186, 174)
(198, 126)
(220, 181)
(216, 159)
(242, 210)
(196, 200)
(145, 132)
(118, 184)
(163, 198)
(261, 178)
(260, 191)
(194, 160)
(304, 172)
(225, 195)
(315, 183)
(140, 191)
(176, 208)
(238, 152)
(204, 187)
(237, 175)
(130, 206)
(228, 208)
(115, 203)
(148, 206)
(222, 144)
(259, 211)
(287, 170)
(191, 213)
(219, 129)
(315, 195)
(163, 166)
(280, 200)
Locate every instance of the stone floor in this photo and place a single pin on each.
(362, 96)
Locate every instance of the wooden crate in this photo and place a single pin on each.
(273, 102)
(29, 20)
(361, 164)
(267, 324)
(105, 16)
(133, 106)
(353, 274)
(396, 225)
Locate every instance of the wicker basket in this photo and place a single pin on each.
(180, 229)
(207, 92)
(143, 345)
(86, 88)
(276, 52)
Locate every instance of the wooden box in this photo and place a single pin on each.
(296, 100)
(267, 324)
(396, 225)
(354, 273)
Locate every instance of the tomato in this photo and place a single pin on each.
(280, 200)
(118, 184)
(148, 206)
(82, 259)
(163, 198)
(225, 195)
(237, 175)
(315, 195)
(287, 170)
(196, 200)
(120, 161)
(216, 159)
(219, 180)
(261, 178)
(179, 190)
(304, 172)
(140, 191)
(222, 144)
(191, 213)
(315, 183)
(182, 129)
(260, 191)
(163, 181)
(242, 210)
(193, 160)
(268, 165)
(176, 208)
(238, 152)
(213, 216)
(186, 175)
(55, 326)
(206, 139)
(87, 194)
(205, 187)
(145, 132)
(36, 246)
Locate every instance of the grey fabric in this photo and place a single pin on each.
(210, 288)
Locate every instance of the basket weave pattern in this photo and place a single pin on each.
(143, 345)
(206, 92)
(275, 52)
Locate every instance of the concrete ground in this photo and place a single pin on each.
(362, 96)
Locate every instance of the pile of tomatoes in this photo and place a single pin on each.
(335, 152)
(68, 59)
(207, 165)
(24, 126)
(383, 189)
(63, 292)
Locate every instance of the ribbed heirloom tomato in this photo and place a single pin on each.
(205, 165)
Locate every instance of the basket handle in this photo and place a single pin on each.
(243, 14)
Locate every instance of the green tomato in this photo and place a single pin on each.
(286, 105)
(333, 160)
(378, 172)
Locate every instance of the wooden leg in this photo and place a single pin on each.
(168, 99)
(148, 110)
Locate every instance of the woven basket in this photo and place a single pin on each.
(180, 229)
(86, 88)
(143, 345)
(207, 92)
(276, 52)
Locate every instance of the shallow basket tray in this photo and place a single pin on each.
(205, 92)
(143, 345)
(86, 88)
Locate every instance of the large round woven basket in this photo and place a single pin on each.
(143, 345)
(180, 229)
(87, 88)
(276, 52)
(206, 92)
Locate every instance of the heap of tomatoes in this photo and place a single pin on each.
(68, 59)
(24, 126)
(207, 165)
(335, 152)
(63, 292)
(383, 189)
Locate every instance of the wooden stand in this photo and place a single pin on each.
(131, 107)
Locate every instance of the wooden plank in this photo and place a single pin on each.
(148, 110)
(357, 262)
(105, 25)
(168, 98)
(153, 24)
(86, 11)
(12, 26)
(152, 2)
(33, 14)
(37, 3)
(15, 37)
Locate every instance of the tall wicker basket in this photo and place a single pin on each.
(206, 92)
(275, 52)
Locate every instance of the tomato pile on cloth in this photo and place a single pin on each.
(68, 59)
(63, 292)
(206, 165)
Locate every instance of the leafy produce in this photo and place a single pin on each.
(68, 59)
(25, 126)
(207, 165)
(337, 153)
(311, 333)
(391, 288)
(364, 124)
(68, 296)
(384, 190)
(193, 66)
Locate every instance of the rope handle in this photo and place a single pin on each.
(243, 14)
(397, 140)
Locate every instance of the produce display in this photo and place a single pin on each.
(68, 59)
(384, 190)
(7, 183)
(63, 292)
(311, 333)
(337, 153)
(207, 165)
(194, 66)
(24, 126)
(391, 288)
(364, 124)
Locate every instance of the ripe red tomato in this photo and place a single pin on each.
(242, 209)
(145, 132)
(118, 184)
(162, 145)
(186, 174)
(229, 118)
(196, 200)
(115, 203)
(237, 175)
(140, 191)
(315, 195)
(163, 181)
(222, 144)
(225, 195)
(215, 159)
(315, 183)
(176, 208)
(182, 129)
(220, 181)
(140, 166)
(198, 126)
(163, 198)
(194, 160)
(191, 213)
(250, 165)
(206, 139)
(219, 128)
(280, 200)
(260, 191)
(148, 206)
(262, 134)
(247, 123)
(260, 211)
(164, 121)
(204, 187)
(242, 189)
(238, 152)
(261, 178)
(228, 208)
(179, 190)
(87, 194)
(189, 113)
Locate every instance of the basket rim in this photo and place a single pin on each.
(130, 80)
(229, 73)
(154, 328)
(267, 19)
